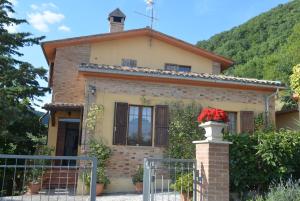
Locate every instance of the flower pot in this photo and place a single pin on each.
(99, 189)
(139, 187)
(33, 188)
(213, 130)
(184, 197)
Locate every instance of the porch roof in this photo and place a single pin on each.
(63, 106)
(204, 78)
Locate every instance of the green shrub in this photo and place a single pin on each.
(184, 183)
(183, 128)
(100, 151)
(264, 157)
(289, 191)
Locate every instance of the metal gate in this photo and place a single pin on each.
(169, 179)
(27, 177)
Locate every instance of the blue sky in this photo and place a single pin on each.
(189, 20)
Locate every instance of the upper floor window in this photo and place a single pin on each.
(178, 68)
(129, 62)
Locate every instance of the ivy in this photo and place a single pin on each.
(95, 111)
(295, 79)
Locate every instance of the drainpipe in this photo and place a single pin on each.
(267, 107)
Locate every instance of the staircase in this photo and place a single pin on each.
(60, 178)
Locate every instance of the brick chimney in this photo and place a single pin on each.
(116, 21)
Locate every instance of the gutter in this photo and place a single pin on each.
(210, 80)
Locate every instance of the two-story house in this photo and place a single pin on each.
(134, 74)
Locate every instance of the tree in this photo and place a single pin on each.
(19, 87)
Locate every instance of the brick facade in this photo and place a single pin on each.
(179, 91)
(213, 165)
(68, 85)
(125, 160)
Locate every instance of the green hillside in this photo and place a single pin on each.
(265, 47)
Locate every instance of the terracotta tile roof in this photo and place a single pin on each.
(139, 71)
(62, 106)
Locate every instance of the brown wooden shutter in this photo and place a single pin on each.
(120, 123)
(247, 121)
(61, 135)
(161, 125)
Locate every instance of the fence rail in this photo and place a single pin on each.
(27, 177)
(169, 179)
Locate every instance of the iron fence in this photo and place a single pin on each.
(170, 179)
(26, 177)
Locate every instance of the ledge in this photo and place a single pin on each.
(211, 142)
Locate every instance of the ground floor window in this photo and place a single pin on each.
(232, 123)
(139, 125)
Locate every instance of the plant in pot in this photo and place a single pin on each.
(34, 180)
(137, 179)
(213, 120)
(184, 185)
(102, 181)
(102, 152)
(35, 174)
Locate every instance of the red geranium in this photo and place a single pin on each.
(212, 114)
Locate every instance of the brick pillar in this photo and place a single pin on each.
(213, 165)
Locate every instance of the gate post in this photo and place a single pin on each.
(213, 165)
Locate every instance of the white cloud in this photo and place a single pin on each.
(34, 7)
(42, 20)
(64, 28)
(45, 14)
(14, 2)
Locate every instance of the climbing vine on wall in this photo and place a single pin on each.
(95, 112)
(295, 79)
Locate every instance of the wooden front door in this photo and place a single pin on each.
(67, 138)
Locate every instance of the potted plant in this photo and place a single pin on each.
(184, 185)
(34, 182)
(137, 179)
(213, 120)
(102, 152)
(102, 181)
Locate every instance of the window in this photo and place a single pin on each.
(129, 62)
(178, 68)
(139, 126)
(133, 125)
(232, 123)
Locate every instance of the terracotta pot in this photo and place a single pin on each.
(34, 188)
(139, 187)
(99, 189)
(185, 197)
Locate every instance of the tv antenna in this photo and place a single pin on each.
(150, 5)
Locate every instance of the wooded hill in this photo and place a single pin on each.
(265, 47)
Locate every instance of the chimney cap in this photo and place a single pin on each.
(117, 13)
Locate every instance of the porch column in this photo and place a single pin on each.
(213, 165)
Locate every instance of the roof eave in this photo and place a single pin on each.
(271, 87)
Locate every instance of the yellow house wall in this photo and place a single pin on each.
(288, 120)
(152, 54)
(125, 159)
(52, 130)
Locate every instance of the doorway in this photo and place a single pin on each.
(67, 138)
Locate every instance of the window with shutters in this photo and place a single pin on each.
(133, 125)
(178, 68)
(129, 62)
(139, 125)
(232, 122)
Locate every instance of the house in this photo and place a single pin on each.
(288, 119)
(134, 75)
